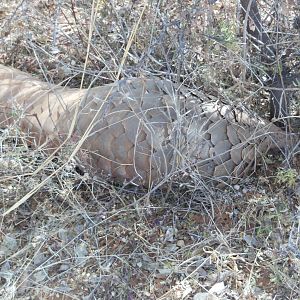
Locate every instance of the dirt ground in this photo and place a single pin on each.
(78, 236)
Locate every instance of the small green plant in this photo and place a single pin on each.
(287, 177)
(263, 231)
(224, 34)
(228, 34)
(228, 31)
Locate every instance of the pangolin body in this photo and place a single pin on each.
(142, 129)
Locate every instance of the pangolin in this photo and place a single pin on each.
(142, 130)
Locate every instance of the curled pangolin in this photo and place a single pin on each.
(143, 129)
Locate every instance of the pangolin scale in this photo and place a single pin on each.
(143, 129)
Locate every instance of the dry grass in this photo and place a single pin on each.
(84, 238)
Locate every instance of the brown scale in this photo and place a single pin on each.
(144, 128)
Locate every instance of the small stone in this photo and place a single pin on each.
(39, 276)
(205, 296)
(64, 267)
(217, 288)
(200, 296)
(170, 234)
(250, 240)
(236, 187)
(180, 243)
(245, 190)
